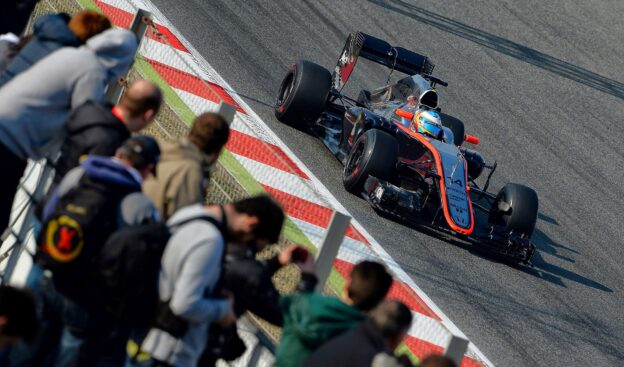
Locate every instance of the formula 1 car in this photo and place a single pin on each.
(424, 180)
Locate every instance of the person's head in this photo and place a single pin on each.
(393, 319)
(429, 123)
(412, 100)
(368, 285)
(18, 317)
(209, 133)
(256, 220)
(88, 23)
(139, 104)
(435, 360)
(140, 152)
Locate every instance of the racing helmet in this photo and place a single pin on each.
(428, 123)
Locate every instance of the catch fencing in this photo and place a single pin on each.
(255, 161)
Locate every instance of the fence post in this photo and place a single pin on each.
(138, 27)
(329, 247)
(456, 349)
(227, 111)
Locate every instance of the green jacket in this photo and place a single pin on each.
(310, 320)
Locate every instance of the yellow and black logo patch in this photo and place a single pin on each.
(64, 239)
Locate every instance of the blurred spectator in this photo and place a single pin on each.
(104, 195)
(435, 360)
(183, 172)
(100, 128)
(190, 290)
(7, 49)
(251, 284)
(50, 33)
(381, 333)
(18, 318)
(36, 103)
(14, 15)
(311, 319)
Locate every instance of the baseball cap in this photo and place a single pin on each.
(142, 150)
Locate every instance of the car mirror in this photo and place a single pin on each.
(472, 139)
(405, 114)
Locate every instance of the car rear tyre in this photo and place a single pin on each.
(374, 153)
(303, 93)
(516, 208)
(456, 126)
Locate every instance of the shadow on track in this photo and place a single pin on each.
(506, 47)
(540, 269)
(553, 273)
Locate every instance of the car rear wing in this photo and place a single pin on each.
(397, 58)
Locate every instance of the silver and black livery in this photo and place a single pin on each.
(427, 181)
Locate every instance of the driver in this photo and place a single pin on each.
(429, 123)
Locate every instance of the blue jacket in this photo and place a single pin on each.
(50, 33)
(134, 209)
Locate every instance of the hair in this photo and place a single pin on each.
(370, 282)
(18, 306)
(137, 102)
(392, 319)
(88, 23)
(269, 213)
(435, 360)
(210, 132)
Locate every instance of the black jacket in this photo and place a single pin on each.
(92, 129)
(250, 282)
(14, 15)
(355, 348)
(50, 32)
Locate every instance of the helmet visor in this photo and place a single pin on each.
(429, 128)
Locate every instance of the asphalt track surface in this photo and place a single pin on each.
(541, 83)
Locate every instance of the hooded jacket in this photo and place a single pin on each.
(310, 320)
(50, 33)
(35, 104)
(190, 270)
(180, 179)
(134, 209)
(92, 129)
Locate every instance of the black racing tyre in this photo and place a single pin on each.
(303, 93)
(456, 126)
(519, 208)
(374, 153)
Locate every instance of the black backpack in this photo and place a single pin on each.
(129, 267)
(72, 236)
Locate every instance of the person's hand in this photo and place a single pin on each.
(293, 254)
(286, 254)
(308, 265)
(230, 317)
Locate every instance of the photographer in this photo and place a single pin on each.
(250, 282)
(190, 271)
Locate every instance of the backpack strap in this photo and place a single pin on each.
(220, 225)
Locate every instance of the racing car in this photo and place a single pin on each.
(424, 179)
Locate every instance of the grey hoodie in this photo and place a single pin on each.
(35, 104)
(190, 269)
